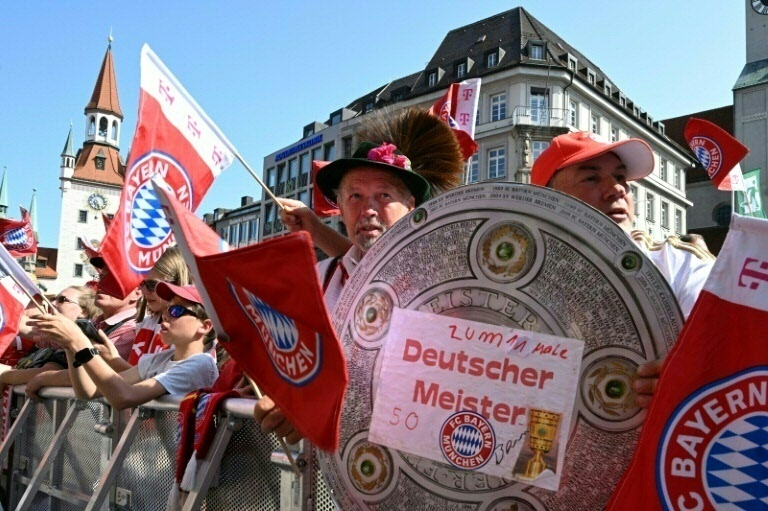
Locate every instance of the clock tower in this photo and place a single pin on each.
(91, 180)
(750, 98)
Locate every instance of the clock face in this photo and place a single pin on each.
(97, 201)
(760, 6)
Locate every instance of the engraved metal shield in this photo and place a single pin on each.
(524, 257)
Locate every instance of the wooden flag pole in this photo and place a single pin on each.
(280, 439)
(258, 180)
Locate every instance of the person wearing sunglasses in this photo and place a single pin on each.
(185, 366)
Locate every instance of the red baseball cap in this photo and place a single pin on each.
(579, 146)
(167, 291)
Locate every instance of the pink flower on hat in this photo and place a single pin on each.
(385, 153)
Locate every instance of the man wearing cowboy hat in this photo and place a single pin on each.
(373, 189)
(598, 172)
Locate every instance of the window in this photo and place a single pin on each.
(538, 147)
(595, 124)
(82, 216)
(614, 135)
(114, 130)
(304, 165)
(103, 127)
(539, 113)
(665, 214)
(268, 218)
(498, 107)
(346, 142)
(572, 63)
(99, 162)
(243, 233)
(678, 174)
(537, 52)
(304, 197)
(461, 70)
(271, 178)
(573, 112)
(92, 126)
(663, 169)
(309, 131)
(432, 79)
(293, 167)
(253, 229)
(78, 270)
(281, 173)
(335, 119)
(678, 221)
(623, 101)
(234, 233)
(722, 215)
(473, 169)
(317, 153)
(591, 77)
(368, 107)
(650, 205)
(497, 163)
(492, 59)
(330, 153)
(79, 244)
(397, 97)
(634, 190)
(224, 233)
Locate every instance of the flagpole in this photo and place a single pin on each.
(258, 180)
(280, 439)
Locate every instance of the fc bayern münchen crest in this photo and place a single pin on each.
(714, 450)
(16, 239)
(150, 232)
(295, 351)
(708, 153)
(467, 440)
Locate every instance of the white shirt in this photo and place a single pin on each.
(349, 261)
(182, 376)
(685, 266)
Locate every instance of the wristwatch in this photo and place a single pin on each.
(84, 356)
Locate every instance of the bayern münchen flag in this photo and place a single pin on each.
(704, 444)
(17, 235)
(716, 150)
(174, 139)
(12, 304)
(266, 303)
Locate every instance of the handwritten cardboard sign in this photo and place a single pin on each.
(480, 397)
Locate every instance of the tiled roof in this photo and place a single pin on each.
(85, 166)
(49, 256)
(104, 95)
(753, 73)
(675, 128)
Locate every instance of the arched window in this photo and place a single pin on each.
(92, 126)
(114, 130)
(722, 215)
(103, 126)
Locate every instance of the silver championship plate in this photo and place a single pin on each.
(523, 257)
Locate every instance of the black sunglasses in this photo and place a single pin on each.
(61, 300)
(149, 285)
(177, 311)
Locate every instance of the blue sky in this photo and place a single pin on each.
(262, 70)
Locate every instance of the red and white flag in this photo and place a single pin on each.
(266, 305)
(9, 266)
(17, 236)
(458, 109)
(12, 304)
(715, 149)
(321, 205)
(704, 443)
(174, 139)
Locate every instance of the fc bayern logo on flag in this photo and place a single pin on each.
(467, 440)
(708, 153)
(149, 231)
(714, 449)
(17, 239)
(295, 351)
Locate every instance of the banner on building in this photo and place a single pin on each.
(704, 443)
(750, 201)
(174, 139)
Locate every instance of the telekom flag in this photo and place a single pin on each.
(176, 140)
(715, 149)
(321, 205)
(458, 109)
(12, 304)
(734, 181)
(704, 443)
(266, 304)
(9, 266)
(17, 235)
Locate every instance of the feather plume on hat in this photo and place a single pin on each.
(426, 140)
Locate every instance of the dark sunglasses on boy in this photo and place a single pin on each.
(177, 311)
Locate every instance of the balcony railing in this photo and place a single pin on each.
(538, 116)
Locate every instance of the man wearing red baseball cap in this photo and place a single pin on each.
(597, 172)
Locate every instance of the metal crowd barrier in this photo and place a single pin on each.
(65, 454)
